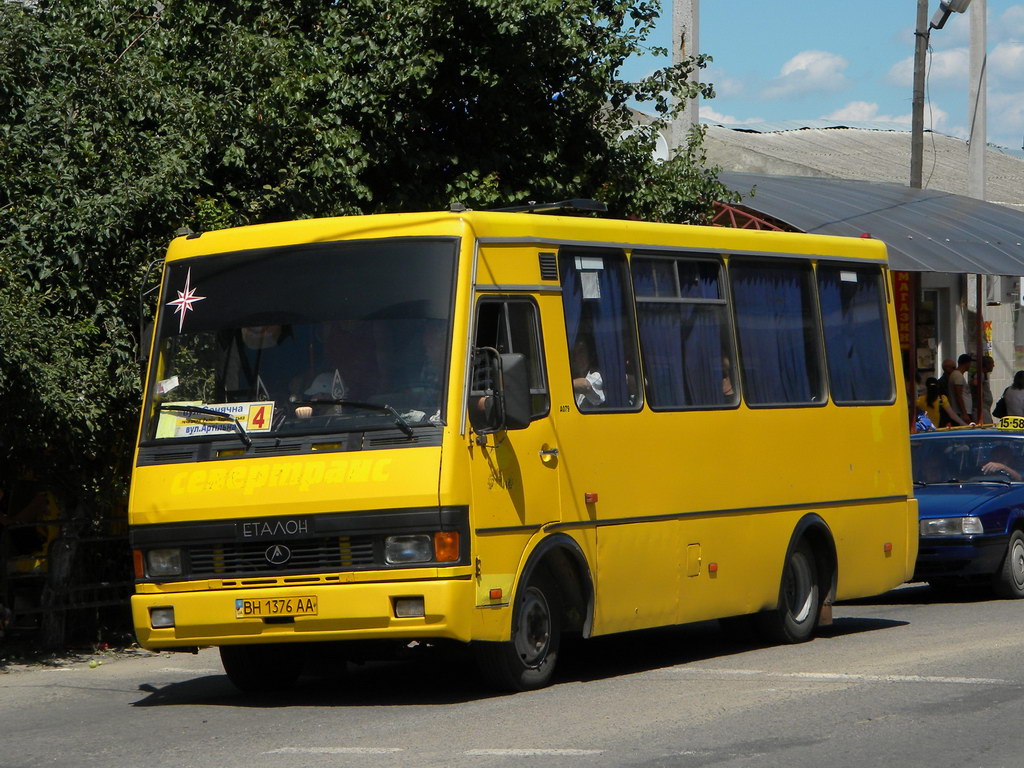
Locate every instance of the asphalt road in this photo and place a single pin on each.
(909, 679)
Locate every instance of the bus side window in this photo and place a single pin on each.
(685, 332)
(511, 326)
(600, 329)
(777, 328)
(856, 338)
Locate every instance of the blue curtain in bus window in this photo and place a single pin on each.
(660, 330)
(593, 298)
(703, 353)
(680, 342)
(702, 334)
(774, 324)
(856, 343)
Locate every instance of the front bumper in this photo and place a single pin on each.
(349, 611)
(959, 556)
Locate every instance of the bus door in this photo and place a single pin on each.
(515, 473)
(615, 453)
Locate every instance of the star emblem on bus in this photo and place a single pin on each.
(186, 298)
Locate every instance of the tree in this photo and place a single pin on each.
(121, 121)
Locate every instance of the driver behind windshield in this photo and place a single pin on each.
(264, 362)
(1001, 460)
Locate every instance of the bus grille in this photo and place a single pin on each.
(307, 556)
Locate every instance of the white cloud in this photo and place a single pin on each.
(949, 66)
(725, 86)
(867, 111)
(1006, 62)
(807, 73)
(935, 118)
(1006, 119)
(1010, 24)
(718, 117)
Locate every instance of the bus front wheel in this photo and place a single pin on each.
(261, 668)
(527, 661)
(796, 616)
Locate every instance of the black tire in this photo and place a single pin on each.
(527, 661)
(796, 616)
(262, 668)
(1009, 579)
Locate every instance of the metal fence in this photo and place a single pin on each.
(73, 589)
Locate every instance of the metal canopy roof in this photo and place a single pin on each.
(925, 230)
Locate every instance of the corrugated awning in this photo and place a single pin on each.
(925, 230)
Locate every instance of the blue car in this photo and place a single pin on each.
(970, 490)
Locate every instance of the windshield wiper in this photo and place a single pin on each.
(400, 422)
(200, 411)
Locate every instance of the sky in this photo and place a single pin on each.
(849, 60)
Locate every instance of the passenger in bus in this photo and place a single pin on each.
(727, 390)
(587, 383)
(1000, 460)
(267, 363)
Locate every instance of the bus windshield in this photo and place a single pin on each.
(325, 337)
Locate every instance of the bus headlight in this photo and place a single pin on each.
(163, 562)
(951, 526)
(417, 548)
(161, 618)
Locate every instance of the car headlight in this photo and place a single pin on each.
(163, 562)
(409, 549)
(951, 526)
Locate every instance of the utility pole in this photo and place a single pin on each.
(977, 102)
(921, 34)
(685, 27)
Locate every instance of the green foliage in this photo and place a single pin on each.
(122, 121)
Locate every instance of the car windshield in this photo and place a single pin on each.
(326, 337)
(967, 459)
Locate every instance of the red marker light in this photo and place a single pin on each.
(712, 567)
(590, 498)
(495, 594)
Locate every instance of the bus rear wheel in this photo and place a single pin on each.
(796, 616)
(527, 661)
(261, 668)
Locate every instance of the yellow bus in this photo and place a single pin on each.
(496, 428)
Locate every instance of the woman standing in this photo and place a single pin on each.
(933, 403)
(1013, 396)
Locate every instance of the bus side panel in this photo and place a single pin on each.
(640, 567)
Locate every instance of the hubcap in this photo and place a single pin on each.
(797, 590)
(533, 635)
(1017, 563)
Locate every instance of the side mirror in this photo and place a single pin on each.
(515, 390)
(145, 341)
(500, 392)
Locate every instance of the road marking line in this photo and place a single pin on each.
(190, 670)
(531, 752)
(334, 751)
(847, 677)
